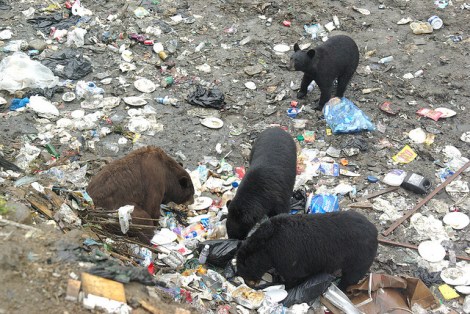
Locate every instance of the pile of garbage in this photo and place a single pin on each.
(86, 86)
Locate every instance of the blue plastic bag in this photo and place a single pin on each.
(17, 103)
(322, 203)
(344, 117)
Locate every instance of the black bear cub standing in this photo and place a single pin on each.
(268, 184)
(337, 58)
(300, 246)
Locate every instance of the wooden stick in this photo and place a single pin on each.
(425, 200)
(18, 225)
(413, 247)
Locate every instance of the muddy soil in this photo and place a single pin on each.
(236, 36)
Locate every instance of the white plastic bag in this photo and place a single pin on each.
(125, 216)
(18, 71)
(77, 37)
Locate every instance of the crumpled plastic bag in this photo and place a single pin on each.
(74, 65)
(344, 117)
(309, 290)
(77, 37)
(213, 98)
(322, 203)
(18, 71)
(298, 201)
(220, 251)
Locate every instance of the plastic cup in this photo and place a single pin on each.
(435, 22)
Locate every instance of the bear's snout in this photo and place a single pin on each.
(291, 66)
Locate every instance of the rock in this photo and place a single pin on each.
(37, 44)
(252, 70)
(19, 212)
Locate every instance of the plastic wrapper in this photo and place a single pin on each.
(309, 290)
(212, 98)
(344, 117)
(220, 251)
(322, 203)
(18, 71)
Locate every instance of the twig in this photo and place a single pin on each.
(413, 247)
(425, 200)
(18, 225)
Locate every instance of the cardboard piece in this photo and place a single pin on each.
(73, 290)
(380, 293)
(103, 287)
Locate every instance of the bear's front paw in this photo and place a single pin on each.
(301, 94)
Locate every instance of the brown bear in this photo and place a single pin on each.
(145, 178)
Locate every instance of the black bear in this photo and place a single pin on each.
(268, 184)
(300, 246)
(337, 58)
(145, 178)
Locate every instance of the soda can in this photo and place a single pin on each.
(294, 103)
(163, 55)
(33, 52)
(148, 42)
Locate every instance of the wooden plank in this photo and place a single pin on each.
(150, 308)
(41, 205)
(103, 287)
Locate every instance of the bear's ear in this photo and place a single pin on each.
(184, 182)
(181, 164)
(311, 53)
(296, 47)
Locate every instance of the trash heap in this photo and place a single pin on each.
(83, 83)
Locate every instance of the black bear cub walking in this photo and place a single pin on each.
(300, 246)
(337, 58)
(268, 184)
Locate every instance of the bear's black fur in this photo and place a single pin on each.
(300, 246)
(268, 184)
(337, 58)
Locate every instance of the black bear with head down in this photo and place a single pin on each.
(268, 184)
(337, 58)
(300, 246)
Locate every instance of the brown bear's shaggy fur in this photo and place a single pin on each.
(145, 178)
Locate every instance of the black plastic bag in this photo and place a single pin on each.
(213, 98)
(75, 66)
(220, 251)
(45, 92)
(309, 290)
(125, 274)
(44, 23)
(298, 200)
(7, 165)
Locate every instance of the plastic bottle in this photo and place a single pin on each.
(386, 60)
(416, 183)
(311, 86)
(204, 254)
(166, 100)
(230, 194)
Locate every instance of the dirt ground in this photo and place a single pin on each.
(236, 35)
